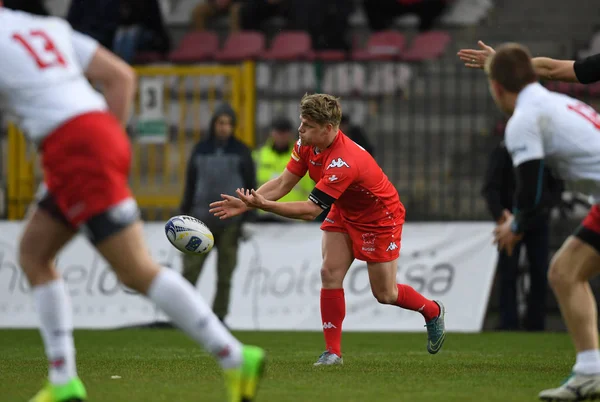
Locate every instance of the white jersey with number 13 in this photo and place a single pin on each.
(42, 82)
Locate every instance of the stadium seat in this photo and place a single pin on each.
(195, 47)
(383, 45)
(290, 46)
(427, 46)
(242, 45)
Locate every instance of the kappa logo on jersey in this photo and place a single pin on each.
(337, 163)
(369, 238)
(392, 246)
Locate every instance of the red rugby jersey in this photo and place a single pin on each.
(348, 174)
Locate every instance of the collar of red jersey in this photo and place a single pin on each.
(337, 137)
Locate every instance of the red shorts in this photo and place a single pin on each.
(86, 164)
(370, 243)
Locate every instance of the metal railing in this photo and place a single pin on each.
(174, 105)
(432, 125)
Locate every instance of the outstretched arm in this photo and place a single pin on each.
(584, 71)
(306, 210)
(272, 190)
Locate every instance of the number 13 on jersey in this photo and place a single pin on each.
(41, 48)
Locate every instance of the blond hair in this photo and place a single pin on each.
(322, 109)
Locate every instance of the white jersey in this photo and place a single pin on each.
(559, 129)
(42, 82)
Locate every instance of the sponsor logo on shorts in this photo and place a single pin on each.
(369, 238)
(392, 246)
(333, 178)
(368, 249)
(329, 220)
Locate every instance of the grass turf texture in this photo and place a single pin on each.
(164, 365)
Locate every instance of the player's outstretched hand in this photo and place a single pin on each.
(251, 198)
(228, 207)
(474, 58)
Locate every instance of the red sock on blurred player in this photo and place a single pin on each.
(410, 299)
(333, 311)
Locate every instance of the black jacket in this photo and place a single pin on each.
(216, 168)
(500, 184)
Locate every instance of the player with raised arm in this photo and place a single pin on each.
(585, 71)
(550, 128)
(85, 155)
(365, 220)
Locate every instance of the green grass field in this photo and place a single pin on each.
(164, 365)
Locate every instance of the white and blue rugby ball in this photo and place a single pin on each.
(189, 235)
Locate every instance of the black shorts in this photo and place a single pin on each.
(589, 230)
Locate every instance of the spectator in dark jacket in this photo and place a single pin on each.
(356, 134)
(381, 13)
(218, 165)
(96, 18)
(206, 11)
(498, 191)
(140, 31)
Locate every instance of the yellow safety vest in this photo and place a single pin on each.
(270, 164)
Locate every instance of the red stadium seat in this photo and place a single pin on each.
(242, 45)
(290, 46)
(384, 45)
(427, 46)
(195, 47)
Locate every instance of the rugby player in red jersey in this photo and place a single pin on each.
(364, 223)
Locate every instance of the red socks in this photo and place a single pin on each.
(410, 299)
(333, 311)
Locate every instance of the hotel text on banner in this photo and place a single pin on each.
(276, 284)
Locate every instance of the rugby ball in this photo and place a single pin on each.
(189, 235)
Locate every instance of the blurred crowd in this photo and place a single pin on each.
(326, 21)
(120, 26)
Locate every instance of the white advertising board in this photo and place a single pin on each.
(276, 284)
